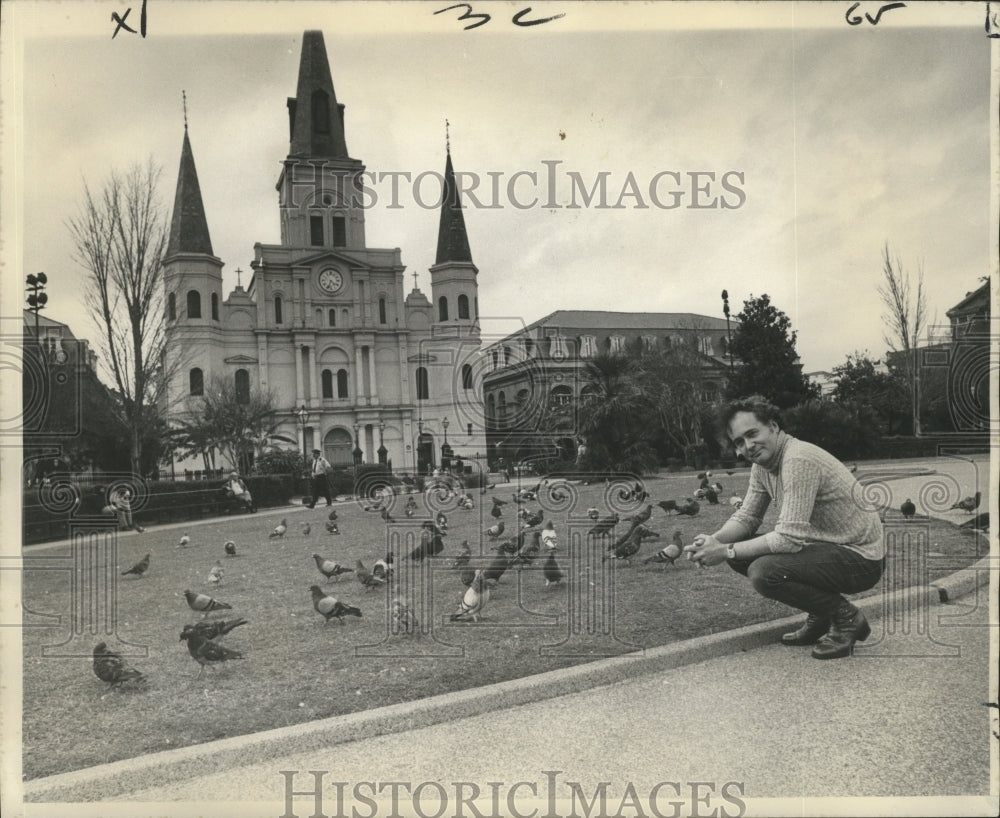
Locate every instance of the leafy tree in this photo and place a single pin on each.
(615, 416)
(241, 427)
(672, 383)
(845, 432)
(861, 384)
(281, 461)
(765, 344)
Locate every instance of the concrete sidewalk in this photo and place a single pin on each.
(904, 718)
(749, 719)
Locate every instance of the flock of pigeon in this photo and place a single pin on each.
(967, 504)
(530, 536)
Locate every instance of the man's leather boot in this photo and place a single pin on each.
(810, 633)
(849, 626)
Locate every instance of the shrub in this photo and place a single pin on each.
(271, 489)
(281, 461)
(696, 455)
(341, 482)
(161, 502)
(845, 432)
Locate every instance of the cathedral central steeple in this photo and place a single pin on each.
(321, 188)
(315, 118)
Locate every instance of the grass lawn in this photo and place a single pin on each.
(299, 668)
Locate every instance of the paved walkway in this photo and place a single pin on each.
(763, 731)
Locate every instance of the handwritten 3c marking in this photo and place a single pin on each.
(483, 18)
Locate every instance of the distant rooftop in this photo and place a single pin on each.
(604, 319)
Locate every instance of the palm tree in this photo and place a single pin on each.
(615, 419)
(239, 426)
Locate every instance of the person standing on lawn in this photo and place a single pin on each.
(824, 544)
(320, 485)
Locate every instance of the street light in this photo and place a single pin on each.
(303, 416)
(729, 335)
(416, 449)
(37, 299)
(445, 448)
(382, 452)
(357, 445)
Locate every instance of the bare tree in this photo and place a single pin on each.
(119, 235)
(904, 317)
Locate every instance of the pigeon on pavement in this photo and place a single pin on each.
(969, 504)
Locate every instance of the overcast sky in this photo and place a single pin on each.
(844, 137)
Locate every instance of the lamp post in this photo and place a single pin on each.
(303, 416)
(382, 452)
(37, 299)
(416, 449)
(729, 335)
(445, 448)
(357, 445)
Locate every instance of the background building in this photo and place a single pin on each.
(541, 367)
(356, 366)
(952, 374)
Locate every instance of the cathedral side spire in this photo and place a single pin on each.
(316, 119)
(453, 241)
(188, 225)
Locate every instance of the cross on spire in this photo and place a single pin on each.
(415, 280)
(239, 282)
(184, 100)
(447, 137)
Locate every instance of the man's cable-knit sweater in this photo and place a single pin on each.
(819, 501)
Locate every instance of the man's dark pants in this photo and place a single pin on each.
(812, 579)
(320, 488)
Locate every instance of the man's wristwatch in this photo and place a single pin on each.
(731, 551)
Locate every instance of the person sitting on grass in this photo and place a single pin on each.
(237, 489)
(824, 543)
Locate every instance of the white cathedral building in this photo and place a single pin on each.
(355, 365)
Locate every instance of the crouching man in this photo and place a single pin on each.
(824, 544)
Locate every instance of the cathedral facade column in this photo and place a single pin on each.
(359, 377)
(371, 375)
(299, 391)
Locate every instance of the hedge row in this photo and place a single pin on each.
(164, 502)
